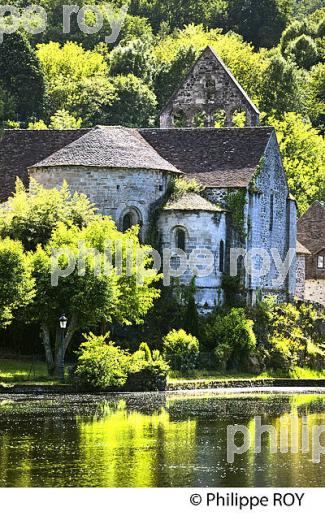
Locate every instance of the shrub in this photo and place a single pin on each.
(101, 365)
(233, 339)
(181, 350)
(146, 373)
(288, 336)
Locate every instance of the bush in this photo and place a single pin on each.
(181, 350)
(232, 338)
(101, 365)
(147, 372)
(288, 336)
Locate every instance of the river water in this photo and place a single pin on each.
(162, 440)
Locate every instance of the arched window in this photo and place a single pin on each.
(127, 221)
(222, 256)
(180, 239)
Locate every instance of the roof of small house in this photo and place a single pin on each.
(311, 227)
(215, 157)
(191, 201)
(109, 147)
(302, 250)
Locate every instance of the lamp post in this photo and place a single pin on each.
(60, 364)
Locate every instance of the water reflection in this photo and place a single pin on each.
(154, 441)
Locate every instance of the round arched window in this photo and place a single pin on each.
(180, 239)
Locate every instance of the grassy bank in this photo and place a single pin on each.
(28, 371)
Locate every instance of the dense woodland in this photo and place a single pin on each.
(275, 48)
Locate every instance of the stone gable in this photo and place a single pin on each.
(208, 91)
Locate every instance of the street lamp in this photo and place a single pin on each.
(63, 320)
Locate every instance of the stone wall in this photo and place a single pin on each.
(203, 230)
(315, 291)
(272, 222)
(300, 277)
(114, 191)
(208, 89)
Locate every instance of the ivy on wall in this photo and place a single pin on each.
(236, 202)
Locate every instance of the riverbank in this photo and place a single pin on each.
(176, 386)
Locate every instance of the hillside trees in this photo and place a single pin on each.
(21, 76)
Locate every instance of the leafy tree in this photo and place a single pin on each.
(303, 154)
(135, 57)
(95, 290)
(282, 87)
(77, 80)
(61, 120)
(134, 105)
(16, 282)
(32, 216)
(259, 21)
(21, 75)
(304, 52)
(178, 13)
(316, 95)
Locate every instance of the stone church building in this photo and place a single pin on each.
(244, 202)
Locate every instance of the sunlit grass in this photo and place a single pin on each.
(24, 371)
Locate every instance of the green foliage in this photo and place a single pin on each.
(181, 350)
(16, 282)
(259, 21)
(180, 186)
(303, 154)
(134, 57)
(101, 365)
(232, 338)
(147, 371)
(288, 336)
(191, 317)
(316, 96)
(61, 120)
(77, 81)
(32, 216)
(134, 105)
(282, 87)
(21, 76)
(235, 203)
(303, 51)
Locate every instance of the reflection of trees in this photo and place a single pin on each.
(129, 449)
(152, 440)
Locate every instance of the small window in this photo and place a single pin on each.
(222, 256)
(271, 212)
(321, 262)
(180, 239)
(118, 187)
(160, 187)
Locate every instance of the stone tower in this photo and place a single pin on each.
(208, 94)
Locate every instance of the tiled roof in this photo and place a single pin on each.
(109, 147)
(226, 157)
(311, 227)
(215, 157)
(191, 201)
(19, 149)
